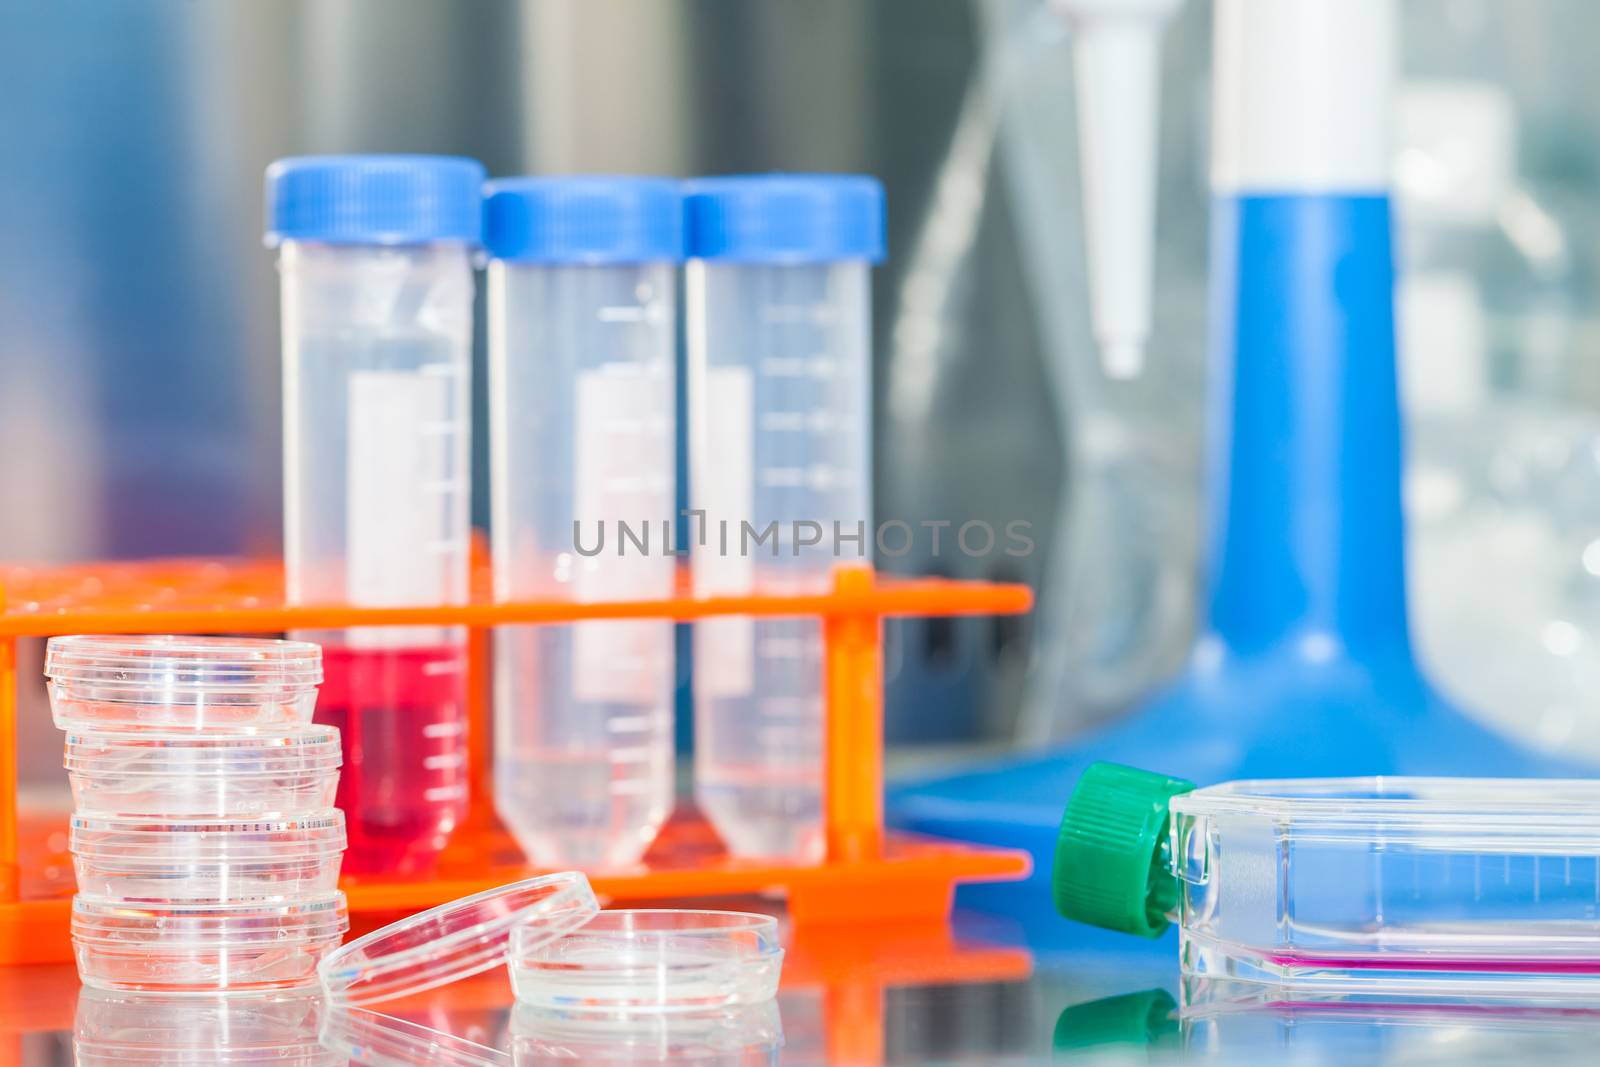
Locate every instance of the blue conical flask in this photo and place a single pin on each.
(1304, 666)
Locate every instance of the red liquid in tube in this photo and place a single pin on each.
(402, 717)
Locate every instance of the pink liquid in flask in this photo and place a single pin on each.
(1548, 965)
(402, 715)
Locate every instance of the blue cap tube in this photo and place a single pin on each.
(582, 386)
(779, 336)
(376, 273)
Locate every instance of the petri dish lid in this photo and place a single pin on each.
(139, 682)
(455, 940)
(301, 750)
(183, 665)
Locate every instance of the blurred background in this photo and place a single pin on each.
(139, 371)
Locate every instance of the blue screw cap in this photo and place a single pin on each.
(380, 200)
(584, 220)
(785, 218)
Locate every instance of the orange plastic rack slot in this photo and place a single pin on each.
(867, 875)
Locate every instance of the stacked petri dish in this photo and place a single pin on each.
(204, 836)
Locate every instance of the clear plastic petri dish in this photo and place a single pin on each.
(118, 1029)
(176, 774)
(199, 948)
(200, 683)
(649, 960)
(136, 858)
(455, 940)
(1467, 887)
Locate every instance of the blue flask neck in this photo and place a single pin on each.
(1306, 534)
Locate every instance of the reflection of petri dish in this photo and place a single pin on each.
(115, 1029)
(455, 940)
(648, 960)
(747, 1034)
(376, 1040)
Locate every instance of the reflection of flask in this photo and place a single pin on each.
(1248, 1022)
(1499, 577)
(1147, 1019)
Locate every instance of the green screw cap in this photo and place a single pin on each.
(1113, 867)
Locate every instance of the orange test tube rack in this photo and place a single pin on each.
(868, 875)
